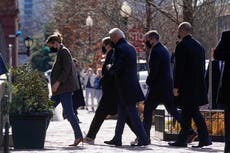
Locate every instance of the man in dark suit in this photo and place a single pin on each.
(189, 85)
(127, 88)
(159, 81)
(222, 52)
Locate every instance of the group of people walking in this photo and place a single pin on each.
(121, 90)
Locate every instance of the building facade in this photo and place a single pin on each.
(9, 20)
(34, 14)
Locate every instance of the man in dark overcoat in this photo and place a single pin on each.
(108, 102)
(189, 85)
(222, 52)
(159, 81)
(127, 87)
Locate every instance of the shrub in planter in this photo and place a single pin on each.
(30, 91)
(30, 109)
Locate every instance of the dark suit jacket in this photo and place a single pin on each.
(159, 79)
(222, 52)
(216, 72)
(124, 68)
(64, 71)
(189, 72)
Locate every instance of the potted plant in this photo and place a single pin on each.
(30, 109)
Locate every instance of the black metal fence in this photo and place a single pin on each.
(167, 128)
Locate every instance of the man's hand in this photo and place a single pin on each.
(55, 86)
(175, 92)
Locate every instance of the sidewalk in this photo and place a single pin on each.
(60, 135)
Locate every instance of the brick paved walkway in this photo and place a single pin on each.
(60, 135)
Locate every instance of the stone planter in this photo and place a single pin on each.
(29, 130)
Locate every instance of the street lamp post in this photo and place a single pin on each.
(125, 12)
(7, 120)
(28, 41)
(89, 24)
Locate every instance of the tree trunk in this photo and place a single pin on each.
(188, 11)
(148, 25)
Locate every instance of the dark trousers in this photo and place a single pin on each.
(97, 121)
(129, 111)
(103, 110)
(187, 114)
(148, 113)
(66, 100)
(227, 128)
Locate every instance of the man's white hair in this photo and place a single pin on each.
(117, 32)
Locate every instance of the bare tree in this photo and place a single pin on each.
(201, 14)
(70, 16)
(162, 15)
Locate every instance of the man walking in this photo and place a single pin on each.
(189, 85)
(127, 88)
(108, 103)
(159, 81)
(222, 52)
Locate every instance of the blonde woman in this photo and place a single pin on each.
(63, 82)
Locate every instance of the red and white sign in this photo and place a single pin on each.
(135, 37)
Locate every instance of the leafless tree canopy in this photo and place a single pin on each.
(162, 15)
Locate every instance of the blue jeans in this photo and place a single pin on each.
(67, 104)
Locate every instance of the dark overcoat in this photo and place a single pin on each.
(222, 52)
(159, 79)
(108, 100)
(189, 72)
(124, 68)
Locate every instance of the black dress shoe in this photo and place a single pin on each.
(202, 144)
(113, 142)
(178, 144)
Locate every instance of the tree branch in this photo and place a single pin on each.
(164, 12)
